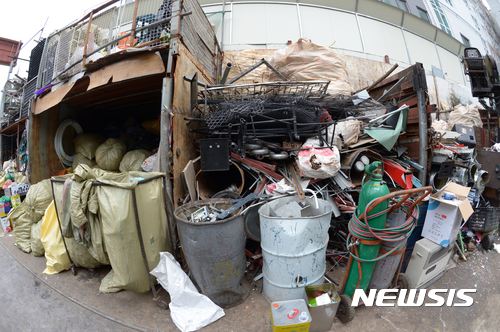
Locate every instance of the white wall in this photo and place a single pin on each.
(270, 24)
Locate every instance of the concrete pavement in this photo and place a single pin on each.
(32, 301)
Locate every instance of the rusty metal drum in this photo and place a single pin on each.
(214, 251)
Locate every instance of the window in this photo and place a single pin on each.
(467, 4)
(475, 22)
(443, 22)
(391, 2)
(465, 40)
(449, 2)
(423, 14)
(403, 5)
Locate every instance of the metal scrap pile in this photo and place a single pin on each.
(291, 138)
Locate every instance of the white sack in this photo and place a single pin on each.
(190, 310)
(110, 153)
(465, 116)
(347, 131)
(307, 61)
(149, 164)
(318, 162)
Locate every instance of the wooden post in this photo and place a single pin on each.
(134, 22)
(87, 40)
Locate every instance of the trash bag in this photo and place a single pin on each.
(80, 255)
(87, 144)
(465, 116)
(55, 252)
(22, 229)
(20, 178)
(85, 243)
(318, 163)
(133, 160)
(347, 131)
(116, 212)
(190, 310)
(149, 164)
(36, 241)
(306, 61)
(81, 159)
(110, 153)
(38, 200)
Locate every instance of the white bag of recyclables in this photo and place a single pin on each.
(87, 144)
(132, 160)
(348, 131)
(190, 310)
(318, 162)
(110, 153)
(149, 163)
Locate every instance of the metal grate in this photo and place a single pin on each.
(28, 93)
(249, 91)
(35, 58)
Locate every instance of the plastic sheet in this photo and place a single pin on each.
(190, 310)
(55, 253)
(306, 61)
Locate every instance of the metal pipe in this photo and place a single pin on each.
(262, 61)
(229, 65)
(422, 130)
(134, 23)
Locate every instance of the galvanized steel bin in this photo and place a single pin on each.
(293, 249)
(214, 251)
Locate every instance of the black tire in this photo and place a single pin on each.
(162, 304)
(404, 281)
(345, 312)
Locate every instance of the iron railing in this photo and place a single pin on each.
(116, 25)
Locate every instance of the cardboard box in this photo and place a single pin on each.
(21, 189)
(444, 216)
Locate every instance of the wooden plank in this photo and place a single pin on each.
(189, 175)
(183, 148)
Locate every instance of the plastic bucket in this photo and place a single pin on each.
(214, 251)
(293, 249)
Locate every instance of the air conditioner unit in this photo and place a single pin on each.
(427, 263)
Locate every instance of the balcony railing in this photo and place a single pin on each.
(120, 24)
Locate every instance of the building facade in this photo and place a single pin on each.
(432, 32)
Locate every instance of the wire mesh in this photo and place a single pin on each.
(28, 93)
(65, 50)
(259, 90)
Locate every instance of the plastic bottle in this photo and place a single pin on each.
(303, 317)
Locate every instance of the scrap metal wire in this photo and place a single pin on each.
(306, 108)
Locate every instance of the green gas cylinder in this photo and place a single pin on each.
(371, 189)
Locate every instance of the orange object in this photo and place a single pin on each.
(63, 172)
(125, 42)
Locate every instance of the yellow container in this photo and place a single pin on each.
(15, 200)
(290, 316)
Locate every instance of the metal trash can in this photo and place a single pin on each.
(293, 248)
(214, 251)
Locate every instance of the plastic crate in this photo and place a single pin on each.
(484, 219)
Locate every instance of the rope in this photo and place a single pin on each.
(360, 229)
